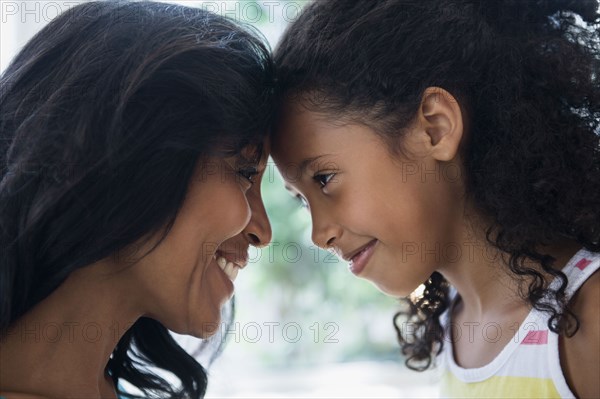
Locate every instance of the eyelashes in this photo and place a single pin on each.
(323, 179)
(303, 202)
(249, 173)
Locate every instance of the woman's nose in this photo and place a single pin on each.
(258, 231)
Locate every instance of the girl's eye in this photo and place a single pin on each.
(249, 173)
(302, 200)
(324, 179)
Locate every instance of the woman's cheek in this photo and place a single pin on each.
(241, 214)
(233, 211)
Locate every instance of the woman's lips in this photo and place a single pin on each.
(360, 260)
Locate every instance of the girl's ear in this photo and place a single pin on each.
(441, 124)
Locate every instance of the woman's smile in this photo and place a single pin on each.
(230, 264)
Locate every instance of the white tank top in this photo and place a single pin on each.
(529, 365)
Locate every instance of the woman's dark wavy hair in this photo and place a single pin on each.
(103, 117)
(526, 73)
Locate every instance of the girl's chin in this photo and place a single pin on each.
(392, 290)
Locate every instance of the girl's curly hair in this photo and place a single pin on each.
(527, 75)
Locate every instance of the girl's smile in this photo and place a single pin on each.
(359, 258)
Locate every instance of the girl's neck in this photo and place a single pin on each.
(486, 286)
(61, 347)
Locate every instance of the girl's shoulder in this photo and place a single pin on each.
(580, 354)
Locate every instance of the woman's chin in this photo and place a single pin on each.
(202, 330)
(198, 327)
(206, 333)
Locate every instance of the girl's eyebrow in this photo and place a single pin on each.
(302, 166)
(307, 162)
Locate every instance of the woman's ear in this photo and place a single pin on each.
(441, 124)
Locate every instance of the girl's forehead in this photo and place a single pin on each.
(300, 151)
(299, 141)
(300, 127)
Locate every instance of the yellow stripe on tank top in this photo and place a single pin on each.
(498, 387)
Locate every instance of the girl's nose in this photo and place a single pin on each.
(325, 231)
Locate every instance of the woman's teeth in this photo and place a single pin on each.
(230, 268)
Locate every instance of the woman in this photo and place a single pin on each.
(132, 150)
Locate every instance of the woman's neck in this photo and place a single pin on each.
(61, 347)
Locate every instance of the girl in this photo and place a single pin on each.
(131, 139)
(455, 144)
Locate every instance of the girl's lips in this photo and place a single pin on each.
(360, 260)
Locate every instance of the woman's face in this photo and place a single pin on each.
(390, 217)
(186, 280)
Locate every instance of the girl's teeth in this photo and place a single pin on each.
(229, 268)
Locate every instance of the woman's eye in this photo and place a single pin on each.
(249, 174)
(302, 200)
(324, 179)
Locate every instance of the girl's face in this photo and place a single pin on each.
(183, 283)
(389, 216)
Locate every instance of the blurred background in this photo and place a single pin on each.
(304, 325)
